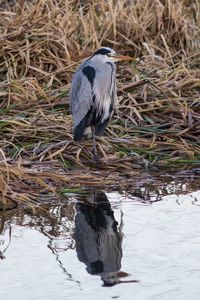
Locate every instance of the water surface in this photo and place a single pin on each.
(142, 243)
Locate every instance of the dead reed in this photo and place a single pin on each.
(157, 121)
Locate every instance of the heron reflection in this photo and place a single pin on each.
(99, 238)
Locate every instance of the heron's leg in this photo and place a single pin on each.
(94, 143)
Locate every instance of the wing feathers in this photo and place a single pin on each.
(80, 97)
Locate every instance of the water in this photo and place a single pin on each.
(140, 244)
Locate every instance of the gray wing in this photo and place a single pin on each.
(80, 96)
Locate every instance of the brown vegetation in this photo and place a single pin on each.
(157, 121)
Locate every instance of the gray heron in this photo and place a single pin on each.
(93, 94)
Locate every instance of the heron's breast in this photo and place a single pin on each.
(106, 108)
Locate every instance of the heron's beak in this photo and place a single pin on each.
(117, 57)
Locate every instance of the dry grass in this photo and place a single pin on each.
(158, 117)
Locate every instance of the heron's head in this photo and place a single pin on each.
(107, 54)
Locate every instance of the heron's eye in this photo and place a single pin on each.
(111, 54)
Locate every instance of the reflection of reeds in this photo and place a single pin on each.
(157, 119)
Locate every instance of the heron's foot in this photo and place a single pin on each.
(96, 157)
